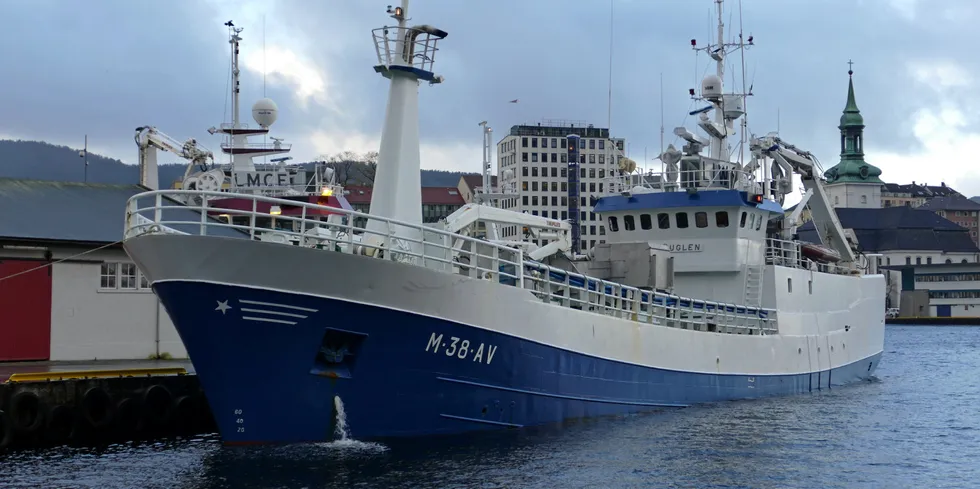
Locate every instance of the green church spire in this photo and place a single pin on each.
(852, 167)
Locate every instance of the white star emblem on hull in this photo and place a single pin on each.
(223, 307)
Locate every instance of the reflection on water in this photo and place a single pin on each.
(915, 427)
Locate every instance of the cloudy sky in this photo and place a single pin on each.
(104, 67)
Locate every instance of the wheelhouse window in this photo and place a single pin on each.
(681, 220)
(663, 220)
(613, 224)
(742, 221)
(628, 223)
(645, 221)
(701, 219)
(758, 222)
(721, 219)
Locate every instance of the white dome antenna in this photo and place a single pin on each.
(265, 112)
(711, 88)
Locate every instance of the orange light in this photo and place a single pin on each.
(757, 199)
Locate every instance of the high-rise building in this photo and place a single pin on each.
(532, 161)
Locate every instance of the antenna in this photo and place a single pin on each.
(84, 154)
(745, 103)
(265, 68)
(661, 112)
(609, 152)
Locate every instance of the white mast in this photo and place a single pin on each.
(719, 146)
(487, 158)
(397, 184)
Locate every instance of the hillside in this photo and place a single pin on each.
(44, 161)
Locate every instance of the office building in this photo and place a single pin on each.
(533, 161)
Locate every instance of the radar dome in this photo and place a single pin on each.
(711, 87)
(265, 112)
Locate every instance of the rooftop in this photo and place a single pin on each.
(361, 194)
(476, 181)
(951, 202)
(919, 190)
(899, 228)
(42, 210)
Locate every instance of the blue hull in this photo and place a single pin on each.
(271, 364)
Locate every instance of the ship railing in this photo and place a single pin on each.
(310, 225)
(789, 254)
(253, 147)
(683, 180)
(569, 289)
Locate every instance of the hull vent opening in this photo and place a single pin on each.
(337, 353)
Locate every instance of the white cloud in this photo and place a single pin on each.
(939, 75)
(906, 8)
(284, 66)
(947, 137)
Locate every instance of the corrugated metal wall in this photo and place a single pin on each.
(25, 311)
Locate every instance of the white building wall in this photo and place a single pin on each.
(855, 195)
(89, 321)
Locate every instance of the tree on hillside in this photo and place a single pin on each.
(352, 168)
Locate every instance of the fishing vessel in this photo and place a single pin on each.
(699, 293)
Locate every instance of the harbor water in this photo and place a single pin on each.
(916, 425)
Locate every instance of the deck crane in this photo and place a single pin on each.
(790, 159)
(149, 139)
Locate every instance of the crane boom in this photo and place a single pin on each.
(802, 162)
(149, 139)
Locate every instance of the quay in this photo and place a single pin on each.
(89, 403)
(934, 321)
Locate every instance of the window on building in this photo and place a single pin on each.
(554, 157)
(681, 219)
(701, 219)
(127, 276)
(534, 186)
(524, 186)
(524, 157)
(554, 142)
(918, 260)
(564, 159)
(721, 219)
(554, 172)
(646, 222)
(108, 276)
(864, 199)
(928, 260)
(908, 260)
(592, 144)
(602, 144)
(581, 145)
(564, 199)
(613, 224)
(534, 142)
(554, 186)
(562, 142)
(524, 199)
(534, 171)
(534, 200)
(592, 158)
(534, 157)
(524, 143)
(663, 220)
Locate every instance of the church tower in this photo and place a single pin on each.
(853, 182)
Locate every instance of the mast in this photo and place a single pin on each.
(397, 184)
(719, 148)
